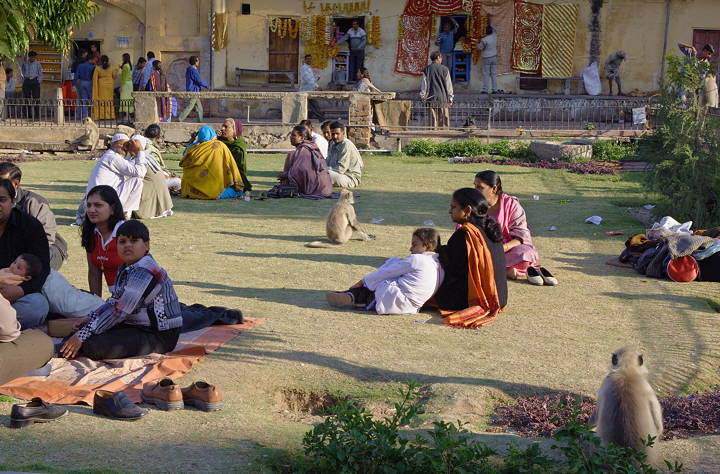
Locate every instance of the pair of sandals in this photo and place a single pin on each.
(540, 276)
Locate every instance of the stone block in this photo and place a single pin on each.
(551, 151)
(294, 107)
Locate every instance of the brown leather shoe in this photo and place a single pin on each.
(203, 396)
(165, 394)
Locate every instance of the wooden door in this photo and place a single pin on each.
(283, 56)
(712, 37)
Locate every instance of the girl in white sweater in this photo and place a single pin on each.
(400, 285)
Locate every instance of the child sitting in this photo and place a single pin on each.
(25, 267)
(400, 285)
(143, 314)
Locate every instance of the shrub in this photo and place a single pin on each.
(613, 150)
(420, 148)
(471, 147)
(687, 176)
(350, 440)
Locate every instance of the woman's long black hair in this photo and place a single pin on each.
(110, 196)
(478, 214)
(491, 178)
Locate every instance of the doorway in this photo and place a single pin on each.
(283, 55)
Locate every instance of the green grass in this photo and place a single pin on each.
(251, 255)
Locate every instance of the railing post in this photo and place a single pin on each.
(294, 107)
(59, 107)
(145, 109)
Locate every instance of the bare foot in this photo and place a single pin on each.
(512, 274)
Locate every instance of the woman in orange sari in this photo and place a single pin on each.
(474, 290)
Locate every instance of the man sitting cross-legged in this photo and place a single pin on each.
(344, 161)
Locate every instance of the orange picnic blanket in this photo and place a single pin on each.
(483, 300)
(75, 381)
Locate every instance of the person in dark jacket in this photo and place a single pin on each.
(38, 207)
(22, 233)
(193, 83)
(436, 88)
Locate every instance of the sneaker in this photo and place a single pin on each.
(340, 298)
(202, 396)
(35, 411)
(165, 394)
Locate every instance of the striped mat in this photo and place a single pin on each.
(558, 39)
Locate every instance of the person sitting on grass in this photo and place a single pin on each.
(400, 285)
(25, 267)
(343, 159)
(305, 167)
(474, 264)
(155, 200)
(319, 140)
(142, 316)
(209, 169)
(230, 134)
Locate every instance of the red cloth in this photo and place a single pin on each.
(432, 7)
(106, 259)
(527, 37)
(413, 45)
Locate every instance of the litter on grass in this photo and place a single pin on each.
(649, 206)
(536, 197)
(597, 220)
(377, 220)
(614, 232)
(429, 223)
(552, 228)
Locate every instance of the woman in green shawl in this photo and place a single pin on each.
(230, 134)
(126, 85)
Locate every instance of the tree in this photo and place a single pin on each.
(49, 21)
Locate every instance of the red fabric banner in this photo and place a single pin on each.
(432, 7)
(413, 44)
(527, 37)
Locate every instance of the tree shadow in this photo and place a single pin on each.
(58, 188)
(291, 238)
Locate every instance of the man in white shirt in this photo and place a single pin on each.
(308, 77)
(113, 169)
(488, 46)
(319, 140)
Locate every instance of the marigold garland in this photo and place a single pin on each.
(374, 34)
(292, 28)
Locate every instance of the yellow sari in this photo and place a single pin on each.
(208, 169)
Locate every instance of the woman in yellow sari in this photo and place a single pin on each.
(209, 170)
(103, 82)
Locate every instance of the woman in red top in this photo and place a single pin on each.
(103, 216)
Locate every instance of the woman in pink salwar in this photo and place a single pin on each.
(520, 254)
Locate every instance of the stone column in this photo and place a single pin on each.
(294, 107)
(145, 109)
(360, 120)
(60, 107)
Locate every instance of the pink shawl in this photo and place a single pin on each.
(513, 223)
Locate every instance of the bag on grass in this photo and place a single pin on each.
(282, 191)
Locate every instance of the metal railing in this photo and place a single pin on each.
(532, 114)
(45, 112)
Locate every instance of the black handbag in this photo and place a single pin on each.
(282, 191)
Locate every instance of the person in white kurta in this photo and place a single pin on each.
(113, 169)
(400, 285)
(403, 285)
(321, 143)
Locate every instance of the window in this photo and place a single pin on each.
(462, 24)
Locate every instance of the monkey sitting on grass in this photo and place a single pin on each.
(341, 223)
(627, 409)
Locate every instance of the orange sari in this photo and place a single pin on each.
(483, 301)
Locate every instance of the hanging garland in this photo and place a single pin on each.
(374, 37)
(347, 8)
(292, 27)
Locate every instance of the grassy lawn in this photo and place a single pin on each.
(251, 255)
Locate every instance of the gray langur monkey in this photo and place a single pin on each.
(341, 223)
(627, 409)
(88, 140)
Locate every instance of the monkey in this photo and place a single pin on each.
(88, 140)
(627, 408)
(341, 222)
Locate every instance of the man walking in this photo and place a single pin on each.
(612, 70)
(32, 77)
(437, 90)
(193, 83)
(357, 39)
(488, 46)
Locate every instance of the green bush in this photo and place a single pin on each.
(420, 148)
(351, 441)
(613, 150)
(471, 147)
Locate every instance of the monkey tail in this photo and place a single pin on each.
(319, 244)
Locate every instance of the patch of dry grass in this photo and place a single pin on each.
(252, 256)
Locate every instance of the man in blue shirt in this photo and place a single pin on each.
(83, 82)
(193, 83)
(446, 41)
(357, 39)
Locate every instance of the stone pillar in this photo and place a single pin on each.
(360, 120)
(146, 111)
(294, 107)
(59, 107)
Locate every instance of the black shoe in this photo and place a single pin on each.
(116, 405)
(234, 315)
(35, 411)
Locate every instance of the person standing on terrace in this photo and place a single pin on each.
(193, 83)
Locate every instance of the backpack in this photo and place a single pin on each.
(282, 191)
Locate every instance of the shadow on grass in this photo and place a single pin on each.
(60, 187)
(242, 348)
(291, 238)
(315, 257)
(303, 298)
